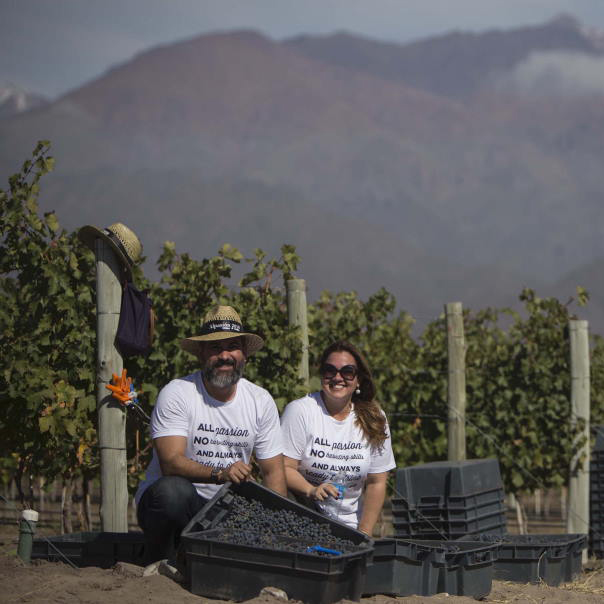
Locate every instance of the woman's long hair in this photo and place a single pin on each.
(369, 414)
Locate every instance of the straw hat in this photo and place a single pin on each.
(122, 240)
(220, 323)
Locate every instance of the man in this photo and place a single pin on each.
(204, 427)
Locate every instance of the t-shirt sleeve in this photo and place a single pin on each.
(170, 416)
(268, 439)
(294, 430)
(382, 458)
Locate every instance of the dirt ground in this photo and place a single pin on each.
(49, 582)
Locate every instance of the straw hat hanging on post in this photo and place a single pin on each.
(116, 250)
(122, 240)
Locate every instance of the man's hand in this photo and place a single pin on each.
(237, 472)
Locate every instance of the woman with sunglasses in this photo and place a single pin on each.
(339, 430)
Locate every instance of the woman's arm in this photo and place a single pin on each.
(373, 500)
(300, 486)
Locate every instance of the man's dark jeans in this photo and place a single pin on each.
(163, 512)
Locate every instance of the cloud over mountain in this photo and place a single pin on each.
(559, 73)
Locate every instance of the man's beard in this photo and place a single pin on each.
(223, 379)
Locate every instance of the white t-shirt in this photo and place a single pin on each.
(325, 445)
(218, 434)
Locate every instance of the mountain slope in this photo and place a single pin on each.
(242, 84)
(456, 64)
(338, 253)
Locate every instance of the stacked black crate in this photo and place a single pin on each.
(448, 500)
(464, 502)
(596, 496)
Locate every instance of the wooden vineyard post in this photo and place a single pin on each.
(296, 313)
(456, 385)
(577, 513)
(112, 418)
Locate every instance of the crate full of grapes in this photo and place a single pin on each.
(248, 537)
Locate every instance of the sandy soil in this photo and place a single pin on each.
(43, 582)
(56, 582)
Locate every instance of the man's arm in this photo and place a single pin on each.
(173, 462)
(273, 474)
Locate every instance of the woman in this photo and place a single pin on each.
(340, 428)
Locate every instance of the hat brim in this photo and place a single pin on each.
(89, 234)
(253, 343)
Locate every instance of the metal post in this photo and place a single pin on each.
(456, 398)
(112, 418)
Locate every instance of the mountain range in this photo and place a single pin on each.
(459, 167)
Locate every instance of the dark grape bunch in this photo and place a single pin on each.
(249, 522)
(488, 538)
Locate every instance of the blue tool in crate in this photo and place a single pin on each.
(323, 550)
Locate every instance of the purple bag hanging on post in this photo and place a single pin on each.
(137, 323)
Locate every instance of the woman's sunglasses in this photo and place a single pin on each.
(348, 372)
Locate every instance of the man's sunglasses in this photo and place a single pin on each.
(348, 372)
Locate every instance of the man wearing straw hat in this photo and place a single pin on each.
(204, 428)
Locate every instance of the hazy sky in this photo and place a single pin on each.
(51, 46)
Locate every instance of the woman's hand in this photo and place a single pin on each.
(323, 491)
(299, 485)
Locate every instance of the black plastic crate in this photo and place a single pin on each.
(472, 500)
(574, 565)
(101, 549)
(596, 545)
(596, 496)
(551, 558)
(596, 539)
(476, 499)
(492, 522)
(403, 568)
(436, 482)
(469, 570)
(212, 514)
(406, 567)
(599, 443)
(402, 511)
(596, 525)
(496, 531)
(216, 568)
